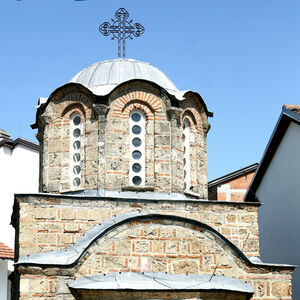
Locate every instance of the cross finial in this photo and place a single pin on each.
(121, 29)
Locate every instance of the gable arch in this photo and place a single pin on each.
(160, 243)
(78, 253)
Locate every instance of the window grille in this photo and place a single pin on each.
(75, 153)
(137, 148)
(186, 154)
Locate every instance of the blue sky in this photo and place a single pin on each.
(241, 56)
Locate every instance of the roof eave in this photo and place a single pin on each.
(233, 175)
(286, 117)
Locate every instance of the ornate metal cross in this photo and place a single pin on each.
(121, 29)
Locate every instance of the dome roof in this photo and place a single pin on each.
(102, 77)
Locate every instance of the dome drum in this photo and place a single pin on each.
(110, 139)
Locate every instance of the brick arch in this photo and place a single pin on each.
(74, 108)
(193, 116)
(149, 103)
(132, 105)
(187, 114)
(77, 101)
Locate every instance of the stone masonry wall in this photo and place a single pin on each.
(54, 136)
(157, 245)
(49, 223)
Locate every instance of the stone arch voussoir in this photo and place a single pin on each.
(149, 103)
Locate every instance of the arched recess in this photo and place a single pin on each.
(117, 139)
(56, 161)
(197, 151)
(157, 243)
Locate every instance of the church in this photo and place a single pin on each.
(122, 210)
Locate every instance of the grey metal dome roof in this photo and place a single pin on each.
(102, 77)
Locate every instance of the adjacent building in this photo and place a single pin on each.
(276, 184)
(19, 161)
(232, 186)
(6, 256)
(19, 172)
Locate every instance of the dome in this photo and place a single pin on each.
(102, 77)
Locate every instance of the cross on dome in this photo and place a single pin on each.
(121, 29)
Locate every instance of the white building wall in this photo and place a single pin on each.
(19, 172)
(3, 279)
(279, 216)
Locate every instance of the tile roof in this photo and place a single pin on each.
(294, 108)
(6, 252)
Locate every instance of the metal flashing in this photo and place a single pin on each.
(132, 196)
(160, 281)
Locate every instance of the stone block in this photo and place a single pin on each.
(166, 232)
(159, 264)
(186, 266)
(123, 246)
(67, 213)
(197, 247)
(282, 289)
(24, 286)
(46, 238)
(98, 214)
(158, 246)
(171, 246)
(49, 213)
(141, 246)
(82, 214)
(114, 262)
(133, 262)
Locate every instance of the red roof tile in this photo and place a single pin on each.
(6, 252)
(294, 108)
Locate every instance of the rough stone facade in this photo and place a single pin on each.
(56, 222)
(165, 226)
(105, 140)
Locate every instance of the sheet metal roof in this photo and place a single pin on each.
(160, 281)
(102, 77)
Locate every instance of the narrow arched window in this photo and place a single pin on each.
(137, 148)
(186, 154)
(75, 147)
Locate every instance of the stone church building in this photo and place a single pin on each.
(122, 211)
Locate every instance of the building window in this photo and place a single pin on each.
(75, 147)
(186, 154)
(137, 148)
